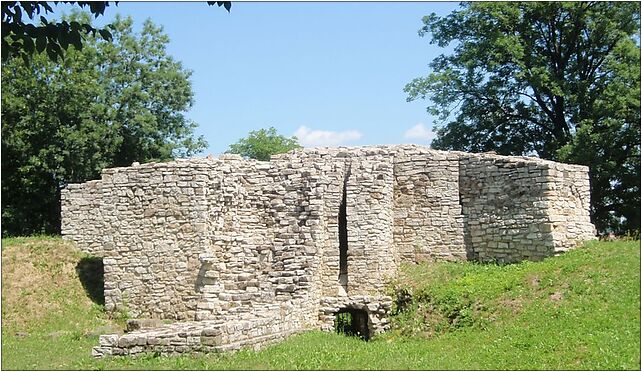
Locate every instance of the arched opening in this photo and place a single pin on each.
(352, 322)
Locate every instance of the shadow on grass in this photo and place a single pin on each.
(92, 276)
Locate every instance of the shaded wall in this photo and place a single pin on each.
(520, 208)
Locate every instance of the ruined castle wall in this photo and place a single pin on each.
(199, 336)
(296, 260)
(232, 279)
(372, 256)
(334, 172)
(231, 241)
(324, 178)
(364, 176)
(155, 219)
(81, 216)
(428, 223)
(207, 239)
(568, 196)
(505, 216)
(512, 205)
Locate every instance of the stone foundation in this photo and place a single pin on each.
(195, 336)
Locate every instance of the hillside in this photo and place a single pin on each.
(580, 310)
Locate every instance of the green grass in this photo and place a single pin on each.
(580, 310)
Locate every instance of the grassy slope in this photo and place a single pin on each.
(44, 302)
(577, 311)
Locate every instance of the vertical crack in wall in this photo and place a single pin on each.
(343, 234)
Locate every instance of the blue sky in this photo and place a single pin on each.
(331, 73)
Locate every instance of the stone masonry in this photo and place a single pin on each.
(242, 252)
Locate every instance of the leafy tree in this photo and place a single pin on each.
(107, 105)
(559, 80)
(263, 143)
(23, 38)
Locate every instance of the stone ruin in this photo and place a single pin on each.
(241, 253)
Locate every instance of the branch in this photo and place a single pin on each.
(498, 106)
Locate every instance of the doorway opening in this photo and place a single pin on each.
(352, 322)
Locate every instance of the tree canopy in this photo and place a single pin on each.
(553, 79)
(109, 104)
(262, 144)
(21, 38)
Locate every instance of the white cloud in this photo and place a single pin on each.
(420, 132)
(311, 138)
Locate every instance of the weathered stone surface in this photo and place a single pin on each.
(243, 252)
(136, 324)
(108, 340)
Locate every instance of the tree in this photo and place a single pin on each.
(23, 39)
(108, 105)
(552, 79)
(263, 143)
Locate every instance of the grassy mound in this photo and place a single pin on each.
(580, 310)
(48, 315)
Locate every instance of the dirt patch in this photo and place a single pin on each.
(56, 334)
(511, 303)
(556, 297)
(533, 281)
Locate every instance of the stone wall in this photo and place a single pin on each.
(209, 240)
(511, 205)
(202, 336)
(371, 254)
(285, 245)
(377, 308)
(428, 220)
(568, 200)
(81, 216)
(155, 220)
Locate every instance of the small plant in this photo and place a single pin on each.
(402, 298)
(343, 323)
(631, 236)
(352, 322)
(121, 313)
